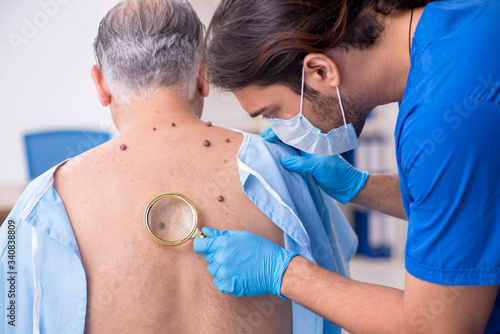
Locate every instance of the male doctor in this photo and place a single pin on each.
(316, 69)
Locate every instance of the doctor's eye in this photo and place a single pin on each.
(269, 116)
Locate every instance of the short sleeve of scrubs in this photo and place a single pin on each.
(448, 145)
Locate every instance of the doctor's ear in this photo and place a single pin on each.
(101, 86)
(321, 73)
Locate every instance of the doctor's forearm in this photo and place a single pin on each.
(355, 306)
(423, 307)
(382, 193)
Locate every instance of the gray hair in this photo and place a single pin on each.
(144, 46)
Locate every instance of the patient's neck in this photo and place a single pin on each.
(165, 106)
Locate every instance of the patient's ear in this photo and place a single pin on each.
(202, 85)
(101, 86)
(321, 72)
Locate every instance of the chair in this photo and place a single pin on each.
(46, 149)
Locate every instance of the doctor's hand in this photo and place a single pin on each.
(269, 135)
(337, 177)
(242, 263)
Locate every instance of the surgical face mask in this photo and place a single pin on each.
(298, 132)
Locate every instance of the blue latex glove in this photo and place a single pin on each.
(269, 135)
(242, 263)
(337, 177)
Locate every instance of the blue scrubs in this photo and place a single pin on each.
(448, 147)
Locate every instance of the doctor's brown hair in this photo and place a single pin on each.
(263, 42)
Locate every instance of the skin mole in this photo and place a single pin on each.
(206, 142)
(123, 147)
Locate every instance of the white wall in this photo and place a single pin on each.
(45, 60)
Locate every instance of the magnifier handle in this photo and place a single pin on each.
(198, 234)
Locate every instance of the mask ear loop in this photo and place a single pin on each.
(302, 91)
(341, 106)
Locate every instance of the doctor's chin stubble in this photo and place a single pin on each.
(327, 112)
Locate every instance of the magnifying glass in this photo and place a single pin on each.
(171, 219)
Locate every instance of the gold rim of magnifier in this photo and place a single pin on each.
(165, 242)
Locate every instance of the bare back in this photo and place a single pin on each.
(136, 285)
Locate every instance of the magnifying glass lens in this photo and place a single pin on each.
(171, 218)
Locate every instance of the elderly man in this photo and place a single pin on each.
(84, 259)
